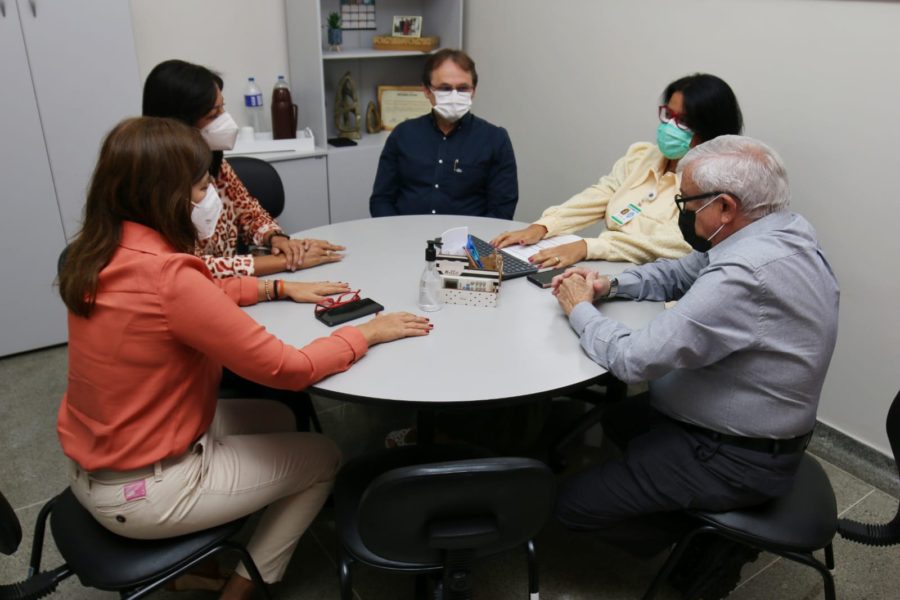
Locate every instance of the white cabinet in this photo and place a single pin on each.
(85, 72)
(315, 72)
(31, 234)
(351, 172)
(66, 82)
(305, 183)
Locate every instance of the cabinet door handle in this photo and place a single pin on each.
(33, 4)
(2, 9)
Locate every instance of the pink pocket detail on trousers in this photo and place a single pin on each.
(135, 490)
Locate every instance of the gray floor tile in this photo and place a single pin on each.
(848, 490)
(31, 387)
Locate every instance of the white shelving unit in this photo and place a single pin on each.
(315, 72)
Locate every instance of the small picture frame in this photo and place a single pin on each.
(407, 27)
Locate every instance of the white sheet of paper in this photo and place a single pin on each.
(524, 252)
(453, 241)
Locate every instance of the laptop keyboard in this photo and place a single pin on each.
(512, 266)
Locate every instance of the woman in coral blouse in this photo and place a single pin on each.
(193, 94)
(153, 452)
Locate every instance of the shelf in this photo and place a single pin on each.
(364, 53)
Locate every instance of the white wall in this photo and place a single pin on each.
(236, 38)
(575, 82)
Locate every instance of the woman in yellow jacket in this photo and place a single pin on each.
(637, 198)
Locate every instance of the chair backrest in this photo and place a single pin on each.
(893, 428)
(10, 529)
(415, 514)
(262, 181)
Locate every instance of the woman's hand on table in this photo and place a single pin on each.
(293, 251)
(313, 291)
(320, 252)
(530, 235)
(560, 256)
(394, 326)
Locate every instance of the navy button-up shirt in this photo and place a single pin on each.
(470, 171)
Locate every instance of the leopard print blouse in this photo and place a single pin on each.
(241, 216)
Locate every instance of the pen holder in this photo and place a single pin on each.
(465, 284)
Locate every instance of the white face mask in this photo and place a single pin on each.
(453, 105)
(221, 133)
(205, 215)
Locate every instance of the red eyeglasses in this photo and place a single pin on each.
(329, 303)
(666, 115)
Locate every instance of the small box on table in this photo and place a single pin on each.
(466, 284)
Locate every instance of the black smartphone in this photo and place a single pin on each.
(348, 312)
(341, 142)
(542, 279)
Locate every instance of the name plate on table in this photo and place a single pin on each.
(398, 103)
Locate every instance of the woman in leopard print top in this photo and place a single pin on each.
(192, 94)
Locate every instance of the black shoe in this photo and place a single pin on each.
(714, 571)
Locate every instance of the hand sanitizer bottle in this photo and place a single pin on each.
(430, 283)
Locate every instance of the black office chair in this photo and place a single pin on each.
(262, 181)
(103, 560)
(10, 538)
(884, 534)
(793, 526)
(437, 509)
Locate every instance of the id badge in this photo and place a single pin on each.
(626, 214)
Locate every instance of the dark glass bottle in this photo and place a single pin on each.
(284, 112)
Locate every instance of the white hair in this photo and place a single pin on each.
(744, 167)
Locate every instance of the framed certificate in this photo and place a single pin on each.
(398, 103)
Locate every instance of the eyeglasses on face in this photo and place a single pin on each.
(680, 200)
(334, 302)
(666, 115)
(462, 89)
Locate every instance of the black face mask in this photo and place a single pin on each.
(686, 221)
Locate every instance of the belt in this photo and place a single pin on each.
(111, 476)
(767, 445)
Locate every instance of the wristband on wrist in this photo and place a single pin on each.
(266, 285)
(279, 288)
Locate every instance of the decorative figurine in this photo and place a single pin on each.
(373, 123)
(346, 108)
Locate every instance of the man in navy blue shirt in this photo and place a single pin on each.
(448, 161)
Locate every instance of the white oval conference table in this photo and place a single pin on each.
(522, 349)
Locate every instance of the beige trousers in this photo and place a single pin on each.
(250, 458)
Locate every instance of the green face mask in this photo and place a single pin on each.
(673, 142)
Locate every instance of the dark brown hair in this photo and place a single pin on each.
(460, 58)
(181, 90)
(145, 172)
(710, 107)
